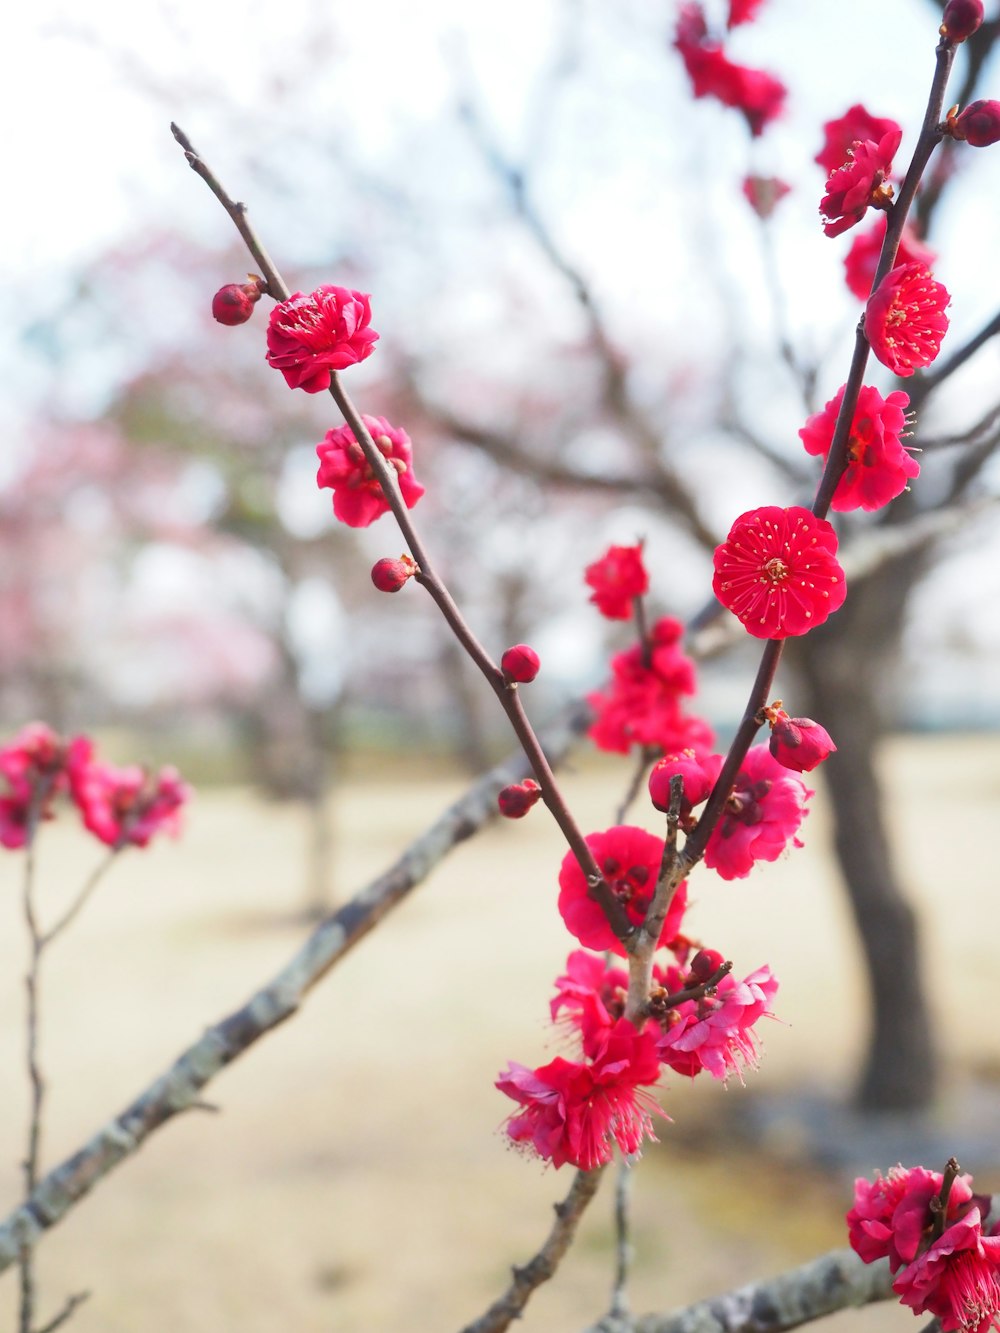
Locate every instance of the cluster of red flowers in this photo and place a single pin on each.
(617, 579)
(944, 1264)
(758, 95)
(120, 806)
(701, 1020)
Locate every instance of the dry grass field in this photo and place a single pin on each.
(353, 1177)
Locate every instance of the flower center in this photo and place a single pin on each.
(776, 569)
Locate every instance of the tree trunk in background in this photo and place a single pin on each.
(841, 665)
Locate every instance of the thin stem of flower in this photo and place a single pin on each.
(694, 992)
(543, 1265)
(642, 629)
(939, 1205)
(76, 906)
(645, 757)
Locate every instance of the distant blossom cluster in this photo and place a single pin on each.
(120, 806)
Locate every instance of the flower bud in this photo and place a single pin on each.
(516, 800)
(520, 664)
(799, 743)
(389, 575)
(978, 125)
(704, 965)
(234, 303)
(697, 783)
(764, 193)
(961, 18)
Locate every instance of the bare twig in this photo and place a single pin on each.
(78, 903)
(542, 1265)
(179, 1088)
(623, 1246)
(65, 1313)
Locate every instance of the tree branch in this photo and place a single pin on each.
(179, 1087)
(834, 1281)
(544, 1264)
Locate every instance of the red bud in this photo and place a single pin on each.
(389, 575)
(234, 303)
(516, 800)
(520, 663)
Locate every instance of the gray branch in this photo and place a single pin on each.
(179, 1088)
(835, 1281)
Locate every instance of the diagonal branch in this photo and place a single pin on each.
(178, 1089)
(543, 1265)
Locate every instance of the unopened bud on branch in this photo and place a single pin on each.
(978, 125)
(389, 575)
(520, 664)
(961, 18)
(234, 303)
(516, 800)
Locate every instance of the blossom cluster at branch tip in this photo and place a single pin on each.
(759, 96)
(124, 806)
(33, 765)
(860, 184)
(878, 465)
(515, 800)
(389, 575)
(944, 1264)
(358, 498)
(520, 664)
(905, 318)
(778, 573)
(978, 125)
(960, 19)
(861, 261)
(617, 579)
(234, 303)
(641, 704)
(761, 816)
(309, 337)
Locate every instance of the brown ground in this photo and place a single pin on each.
(354, 1179)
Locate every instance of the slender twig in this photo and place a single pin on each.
(506, 693)
(933, 379)
(644, 757)
(542, 1265)
(623, 1245)
(78, 903)
(179, 1087)
(65, 1313)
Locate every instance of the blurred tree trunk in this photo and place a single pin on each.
(842, 665)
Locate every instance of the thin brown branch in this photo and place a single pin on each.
(933, 379)
(623, 1245)
(67, 1312)
(179, 1088)
(542, 1265)
(80, 901)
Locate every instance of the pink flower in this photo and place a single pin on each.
(33, 764)
(862, 259)
(878, 464)
(576, 1112)
(761, 816)
(310, 336)
(617, 579)
(905, 319)
(892, 1218)
(778, 573)
(957, 1278)
(629, 858)
(714, 1033)
(697, 779)
(859, 183)
(764, 193)
(641, 704)
(799, 743)
(840, 134)
(757, 94)
(357, 496)
(124, 806)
